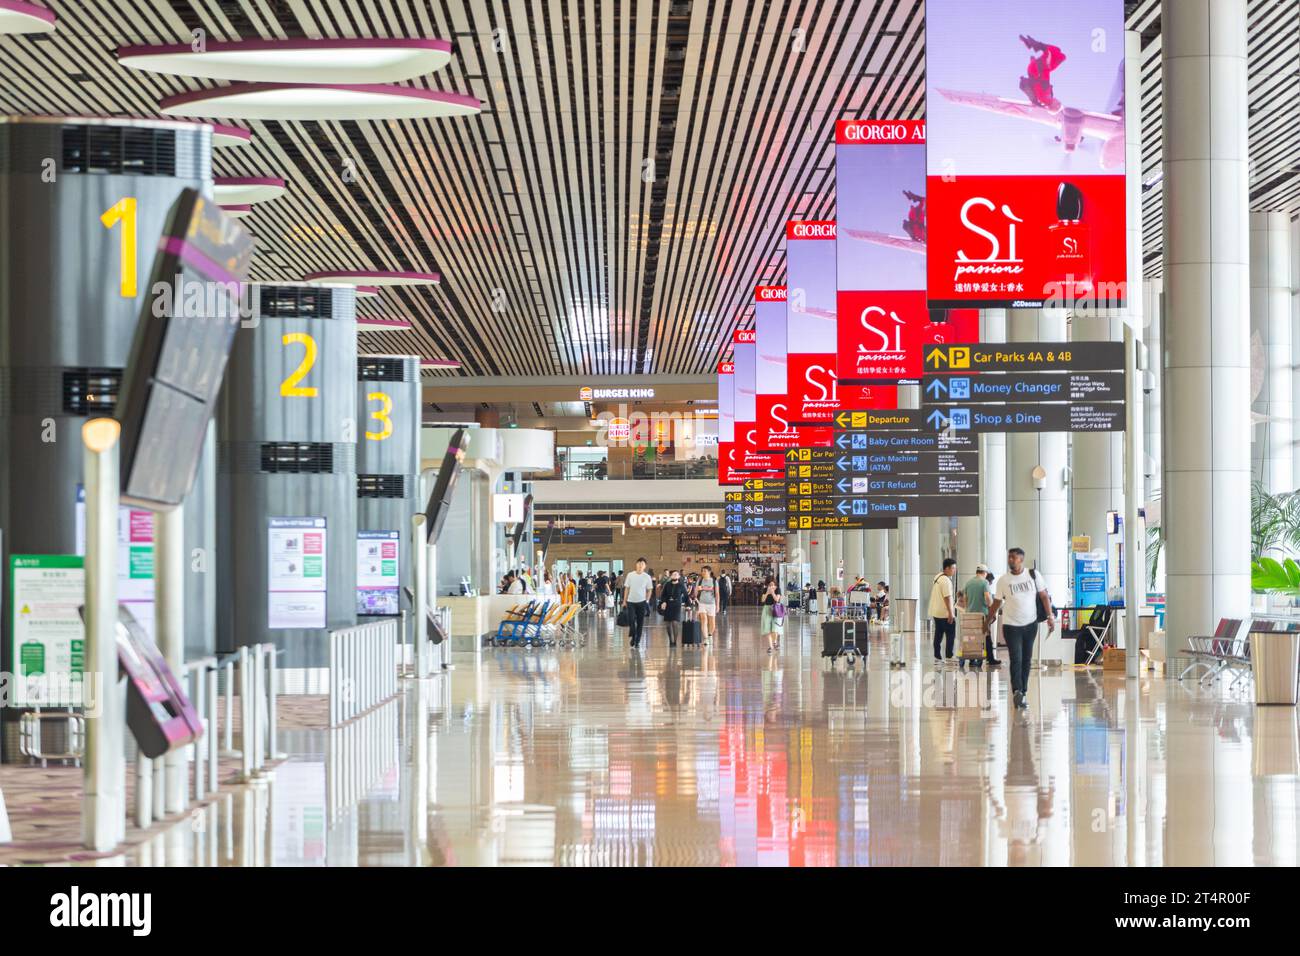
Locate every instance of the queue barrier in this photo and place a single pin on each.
(362, 668)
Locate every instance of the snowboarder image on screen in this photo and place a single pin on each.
(1037, 85)
(914, 224)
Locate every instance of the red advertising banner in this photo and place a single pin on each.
(750, 453)
(726, 422)
(810, 321)
(1025, 164)
(884, 319)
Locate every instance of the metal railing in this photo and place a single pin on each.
(363, 668)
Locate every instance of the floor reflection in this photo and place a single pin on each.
(728, 756)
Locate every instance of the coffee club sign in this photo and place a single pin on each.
(674, 519)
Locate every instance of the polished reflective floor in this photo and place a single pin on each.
(729, 756)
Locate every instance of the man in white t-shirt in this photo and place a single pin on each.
(637, 587)
(1017, 595)
(941, 608)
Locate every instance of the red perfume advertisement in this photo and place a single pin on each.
(884, 320)
(1025, 154)
(810, 321)
(772, 415)
(726, 421)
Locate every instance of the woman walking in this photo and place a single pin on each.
(672, 598)
(769, 623)
(706, 600)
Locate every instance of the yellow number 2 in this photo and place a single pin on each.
(290, 387)
(381, 415)
(123, 211)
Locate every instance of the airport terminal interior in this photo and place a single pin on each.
(657, 433)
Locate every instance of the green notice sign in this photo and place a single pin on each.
(46, 592)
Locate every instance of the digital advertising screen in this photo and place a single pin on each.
(727, 423)
(1025, 153)
(378, 573)
(884, 317)
(744, 355)
(810, 321)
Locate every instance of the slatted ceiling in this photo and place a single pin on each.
(539, 204)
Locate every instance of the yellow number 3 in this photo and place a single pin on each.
(381, 415)
(290, 387)
(124, 211)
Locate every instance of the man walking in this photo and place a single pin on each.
(724, 593)
(1020, 594)
(942, 609)
(976, 595)
(637, 588)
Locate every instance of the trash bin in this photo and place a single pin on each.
(1275, 658)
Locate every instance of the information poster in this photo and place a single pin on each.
(49, 649)
(295, 561)
(377, 573)
(134, 558)
(1025, 159)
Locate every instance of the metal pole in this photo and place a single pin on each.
(245, 717)
(102, 809)
(1134, 545)
(169, 627)
(143, 791)
(272, 715)
(198, 688)
(334, 678)
(420, 609)
(213, 710)
(228, 728)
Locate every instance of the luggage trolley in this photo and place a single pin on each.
(840, 639)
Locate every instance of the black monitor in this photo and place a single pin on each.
(180, 349)
(439, 506)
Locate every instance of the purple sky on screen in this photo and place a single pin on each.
(869, 184)
(769, 320)
(973, 46)
(810, 279)
(743, 353)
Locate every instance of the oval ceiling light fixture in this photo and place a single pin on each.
(238, 210)
(242, 190)
(439, 363)
(226, 136)
(298, 60)
(305, 102)
(363, 278)
(17, 16)
(381, 322)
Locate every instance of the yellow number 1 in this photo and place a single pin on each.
(123, 211)
(381, 415)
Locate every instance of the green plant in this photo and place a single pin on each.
(1155, 543)
(1274, 521)
(1268, 574)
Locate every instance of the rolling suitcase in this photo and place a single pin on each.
(690, 630)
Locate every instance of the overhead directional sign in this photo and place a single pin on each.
(1025, 357)
(1029, 386)
(848, 507)
(933, 440)
(831, 522)
(1021, 417)
(828, 462)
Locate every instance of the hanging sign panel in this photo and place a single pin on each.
(1030, 386)
(831, 463)
(726, 422)
(1025, 153)
(295, 564)
(1026, 357)
(810, 320)
(1022, 417)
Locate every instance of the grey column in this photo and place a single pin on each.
(1206, 488)
(853, 556)
(1096, 458)
(876, 556)
(1037, 518)
(1152, 338)
(834, 549)
(1270, 331)
(817, 555)
(970, 545)
(993, 465)
(1295, 336)
(932, 535)
(906, 565)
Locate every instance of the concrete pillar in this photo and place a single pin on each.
(853, 556)
(1270, 326)
(817, 555)
(834, 554)
(1096, 458)
(1037, 509)
(1152, 430)
(876, 553)
(906, 564)
(970, 545)
(993, 466)
(1295, 336)
(932, 534)
(1206, 488)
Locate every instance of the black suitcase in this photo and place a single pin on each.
(690, 631)
(834, 638)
